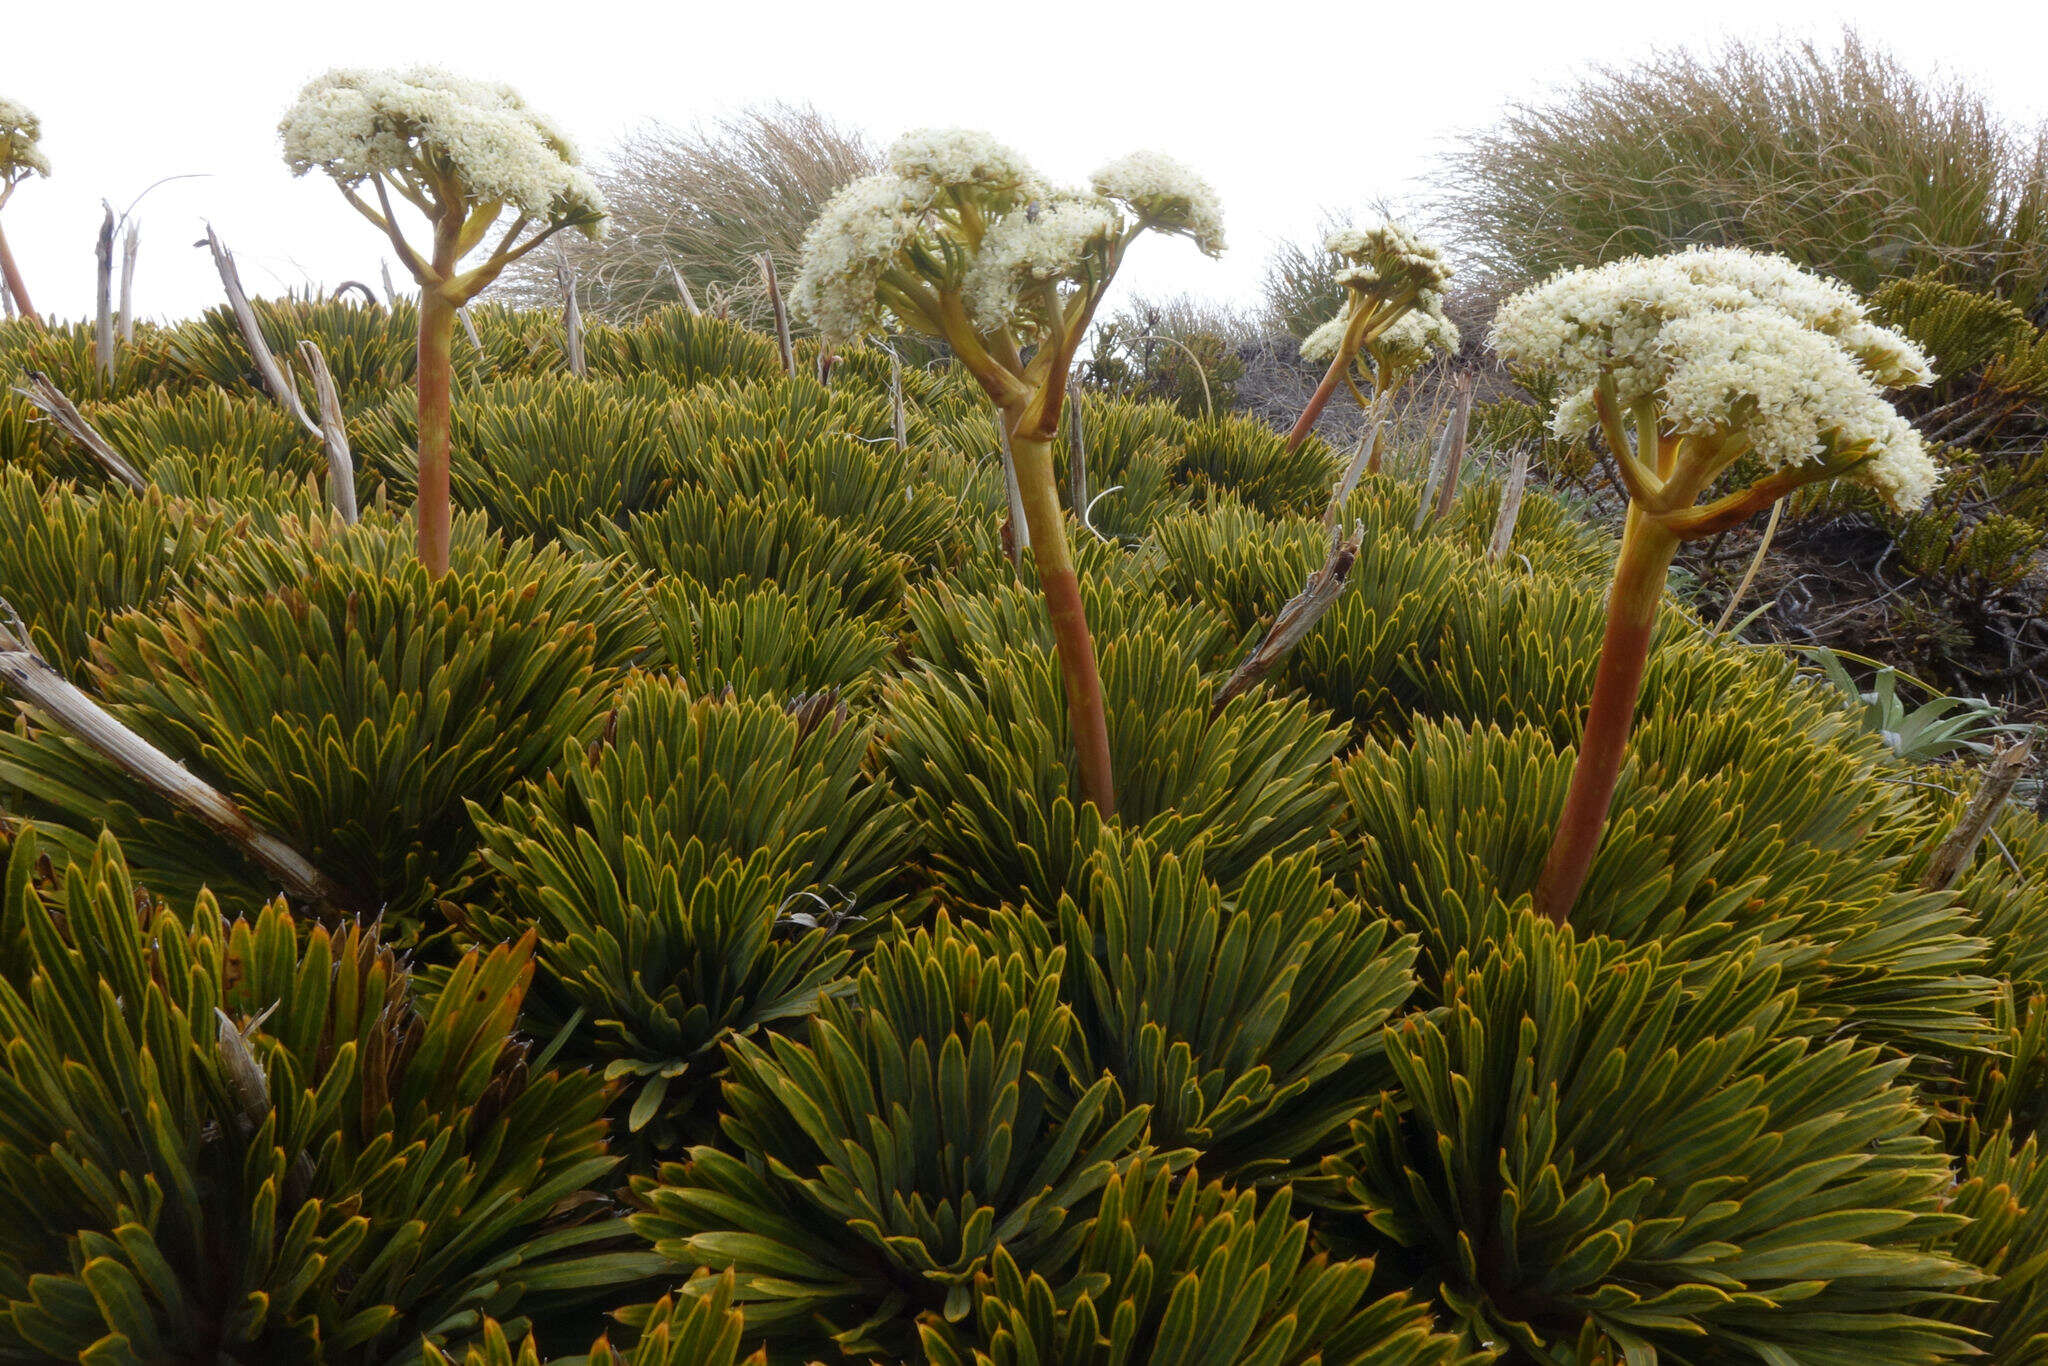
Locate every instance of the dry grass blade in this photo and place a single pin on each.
(47, 397)
(69, 707)
(1294, 621)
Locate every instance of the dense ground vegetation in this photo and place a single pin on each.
(718, 956)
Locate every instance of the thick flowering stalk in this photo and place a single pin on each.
(465, 154)
(20, 158)
(1687, 364)
(960, 239)
(1393, 317)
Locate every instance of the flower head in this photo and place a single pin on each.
(1166, 195)
(961, 159)
(1729, 344)
(20, 130)
(459, 136)
(861, 231)
(1066, 240)
(1415, 336)
(1388, 259)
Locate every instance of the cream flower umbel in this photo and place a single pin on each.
(1719, 353)
(21, 156)
(424, 132)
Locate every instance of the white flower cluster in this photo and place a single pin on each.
(1729, 342)
(1059, 241)
(356, 124)
(961, 211)
(1388, 258)
(860, 233)
(1167, 195)
(1415, 336)
(20, 131)
(963, 159)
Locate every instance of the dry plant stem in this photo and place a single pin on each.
(51, 400)
(1038, 491)
(1511, 492)
(435, 381)
(1077, 458)
(11, 274)
(572, 312)
(1647, 548)
(274, 378)
(1368, 445)
(103, 315)
(58, 699)
(1756, 562)
(781, 313)
(341, 467)
(898, 420)
(683, 292)
(1959, 846)
(131, 243)
(1293, 622)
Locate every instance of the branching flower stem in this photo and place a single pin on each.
(1664, 474)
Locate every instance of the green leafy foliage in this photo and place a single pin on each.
(1766, 1197)
(1247, 1022)
(690, 875)
(247, 1140)
(978, 738)
(1176, 1271)
(875, 1172)
(347, 701)
(69, 559)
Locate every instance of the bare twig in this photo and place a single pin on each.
(103, 318)
(683, 292)
(1077, 455)
(369, 295)
(767, 260)
(1756, 562)
(572, 311)
(1208, 400)
(71, 708)
(1959, 847)
(1511, 491)
(341, 466)
(898, 420)
(1016, 534)
(1368, 442)
(1294, 621)
(131, 243)
(48, 397)
(1450, 455)
(275, 379)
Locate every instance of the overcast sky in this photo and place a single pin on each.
(1288, 106)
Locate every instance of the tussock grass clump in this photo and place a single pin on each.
(1842, 159)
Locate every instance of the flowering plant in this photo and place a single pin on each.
(1688, 364)
(1393, 316)
(961, 240)
(463, 153)
(21, 156)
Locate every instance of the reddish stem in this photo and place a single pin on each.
(1087, 718)
(435, 382)
(1318, 401)
(11, 275)
(1639, 576)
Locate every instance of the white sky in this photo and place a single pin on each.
(1286, 105)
